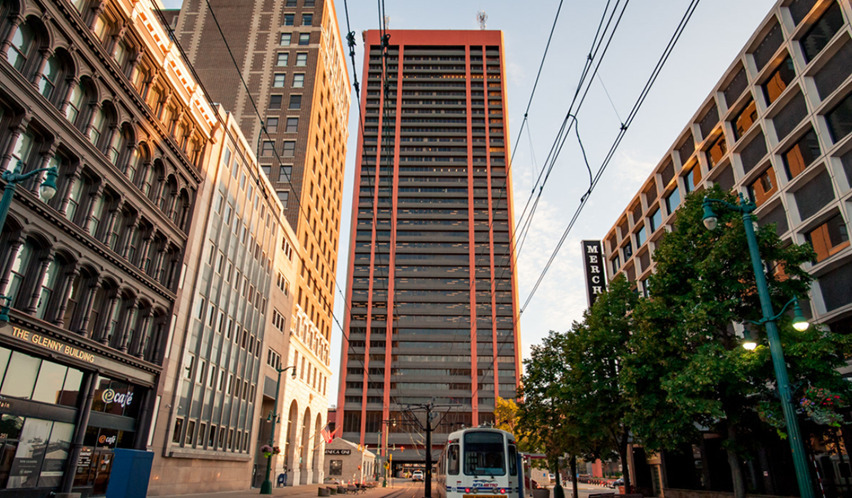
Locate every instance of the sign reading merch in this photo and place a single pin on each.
(595, 277)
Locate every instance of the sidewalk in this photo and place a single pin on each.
(302, 491)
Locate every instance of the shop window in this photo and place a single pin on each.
(763, 187)
(801, 154)
(22, 382)
(743, 121)
(829, 238)
(823, 30)
(779, 80)
(840, 119)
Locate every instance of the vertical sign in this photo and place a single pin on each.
(593, 260)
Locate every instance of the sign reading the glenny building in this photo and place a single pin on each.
(593, 260)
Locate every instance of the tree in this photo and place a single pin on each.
(594, 353)
(506, 418)
(685, 368)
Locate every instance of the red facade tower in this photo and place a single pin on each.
(433, 313)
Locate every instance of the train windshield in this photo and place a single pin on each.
(484, 454)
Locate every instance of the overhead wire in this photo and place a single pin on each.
(623, 130)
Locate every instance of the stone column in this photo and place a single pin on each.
(123, 329)
(95, 196)
(15, 23)
(86, 305)
(74, 177)
(67, 288)
(137, 341)
(102, 328)
(14, 246)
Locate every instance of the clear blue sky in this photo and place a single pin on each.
(715, 35)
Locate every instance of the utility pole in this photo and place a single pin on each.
(428, 428)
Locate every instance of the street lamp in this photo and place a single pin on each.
(746, 208)
(383, 449)
(12, 178)
(266, 487)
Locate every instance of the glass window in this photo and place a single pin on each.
(275, 101)
(829, 238)
(283, 59)
(801, 154)
(292, 125)
(778, 80)
(278, 80)
(744, 120)
(484, 454)
(51, 378)
(673, 200)
(295, 102)
(304, 39)
(289, 148)
(49, 77)
(286, 39)
(284, 173)
(822, 31)
(30, 453)
(691, 179)
(298, 80)
(717, 150)
(267, 148)
(22, 44)
(513, 460)
(628, 251)
(616, 264)
(284, 196)
(301, 59)
(289, 19)
(21, 383)
(656, 220)
(272, 125)
(840, 119)
(763, 187)
(453, 459)
(640, 236)
(307, 19)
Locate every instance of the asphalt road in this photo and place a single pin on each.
(405, 488)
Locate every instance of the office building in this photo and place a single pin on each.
(291, 58)
(776, 128)
(431, 287)
(92, 273)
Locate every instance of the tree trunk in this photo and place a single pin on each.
(573, 466)
(734, 463)
(625, 471)
(558, 492)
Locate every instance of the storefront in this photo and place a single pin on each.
(53, 412)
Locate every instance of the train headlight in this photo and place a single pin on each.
(502, 491)
(467, 490)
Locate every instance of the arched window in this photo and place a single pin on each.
(80, 103)
(50, 287)
(167, 198)
(136, 157)
(100, 307)
(25, 272)
(23, 47)
(77, 289)
(123, 148)
(103, 126)
(55, 77)
(182, 208)
(80, 198)
(153, 180)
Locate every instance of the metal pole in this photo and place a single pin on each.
(777, 353)
(428, 475)
(266, 487)
(6, 201)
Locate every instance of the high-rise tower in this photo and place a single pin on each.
(432, 293)
(291, 57)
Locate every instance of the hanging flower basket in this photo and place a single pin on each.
(268, 451)
(821, 406)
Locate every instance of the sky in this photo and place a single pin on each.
(715, 35)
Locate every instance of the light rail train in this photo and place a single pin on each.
(480, 463)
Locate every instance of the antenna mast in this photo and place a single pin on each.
(482, 17)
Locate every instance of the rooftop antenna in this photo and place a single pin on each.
(482, 17)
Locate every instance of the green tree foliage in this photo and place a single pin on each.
(685, 369)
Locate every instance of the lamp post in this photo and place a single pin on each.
(383, 448)
(746, 208)
(266, 487)
(12, 178)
